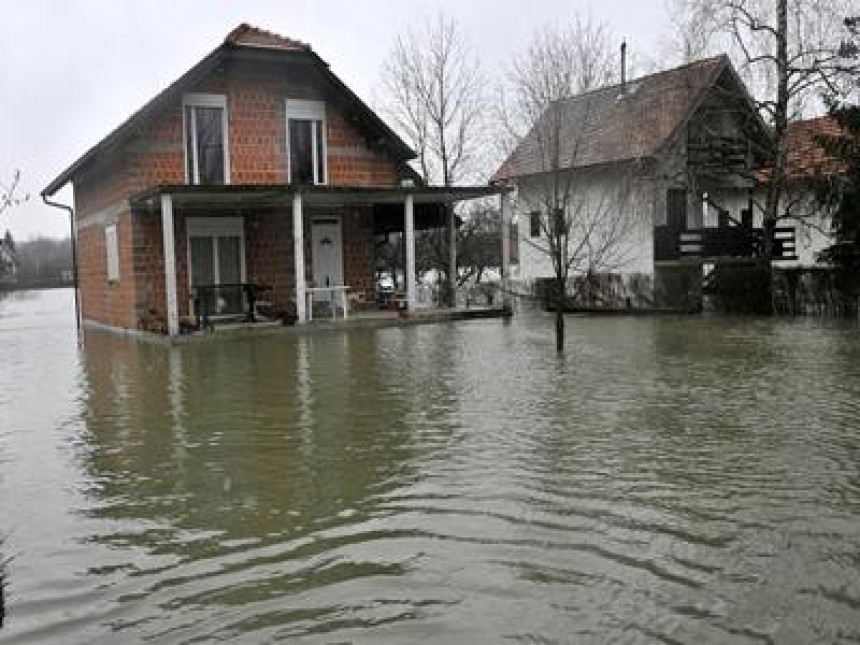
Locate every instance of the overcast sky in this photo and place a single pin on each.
(71, 71)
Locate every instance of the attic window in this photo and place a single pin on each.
(205, 124)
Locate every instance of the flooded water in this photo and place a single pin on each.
(671, 480)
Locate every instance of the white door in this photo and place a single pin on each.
(327, 255)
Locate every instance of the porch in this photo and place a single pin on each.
(254, 256)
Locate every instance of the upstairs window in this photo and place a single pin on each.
(205, 118)
(306, 142)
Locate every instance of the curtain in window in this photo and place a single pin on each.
(301, 152)
(210, 145)
(230, 273)
(204, 141)
(202, 263)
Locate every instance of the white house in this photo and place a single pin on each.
(662, 170)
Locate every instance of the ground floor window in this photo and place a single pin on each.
(216, 264)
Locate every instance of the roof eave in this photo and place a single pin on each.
(117, 134)
(642, 159)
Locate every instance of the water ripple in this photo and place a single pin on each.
(670, 480)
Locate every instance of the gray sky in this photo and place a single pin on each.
(71, 71)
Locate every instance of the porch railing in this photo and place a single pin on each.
(727, 242)
(227, 301)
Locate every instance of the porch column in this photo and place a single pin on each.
(452, 254)
(506, 251)
(299, 256)
(409, 242)
(169, 244)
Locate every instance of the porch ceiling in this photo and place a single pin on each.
(282, 195)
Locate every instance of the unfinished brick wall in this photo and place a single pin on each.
(269, 255)
(257, 140)
(256, 107)
(101, 188)
(110, 303)
(358, 252)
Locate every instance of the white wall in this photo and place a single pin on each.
(598, 195)
(812, 237)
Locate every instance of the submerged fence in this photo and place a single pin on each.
(814, 291)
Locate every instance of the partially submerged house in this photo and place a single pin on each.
(256, 176)
(667, 164)
(8, 262)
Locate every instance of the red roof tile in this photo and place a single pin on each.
(249, 36)
(805, 157)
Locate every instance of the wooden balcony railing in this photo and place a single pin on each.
(723, 243)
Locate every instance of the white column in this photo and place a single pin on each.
(409, 241)
(169, 244)
(299, 255)
(506, 249)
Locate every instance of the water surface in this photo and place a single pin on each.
(671, 480)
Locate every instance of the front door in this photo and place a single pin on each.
(327, 254)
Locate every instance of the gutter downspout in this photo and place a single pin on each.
(73, 231)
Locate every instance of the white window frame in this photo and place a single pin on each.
(302, 109)
(210, 101)
(111, 253)
(213, 227)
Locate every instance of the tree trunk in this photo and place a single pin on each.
(560, 297)
(780, 127)
(452, 258)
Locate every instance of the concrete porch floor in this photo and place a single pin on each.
(357, 319)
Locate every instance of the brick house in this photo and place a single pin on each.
(258, 165)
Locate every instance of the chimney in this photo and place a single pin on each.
(623, 65)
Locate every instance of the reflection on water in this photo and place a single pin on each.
(673, 480)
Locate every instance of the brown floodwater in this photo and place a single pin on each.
(671, 480)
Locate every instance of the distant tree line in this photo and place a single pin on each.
(42, 261)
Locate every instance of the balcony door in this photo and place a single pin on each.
(216, 264)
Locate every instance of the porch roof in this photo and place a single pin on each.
(263, 195)
(387, 203)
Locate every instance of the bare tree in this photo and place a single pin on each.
(789, 52)
(436, 89)
(10, 194)
(584, 220)
(478, 245)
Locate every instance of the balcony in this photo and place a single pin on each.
(728, 243)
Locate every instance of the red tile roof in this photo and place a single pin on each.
(805, 157)
(249, 36)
